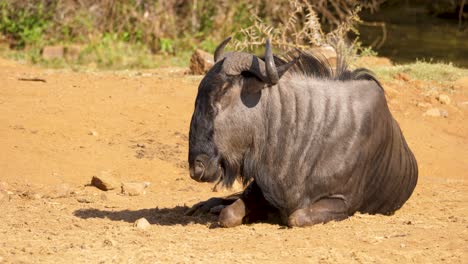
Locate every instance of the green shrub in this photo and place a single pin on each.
(24, 26)
(169, 27)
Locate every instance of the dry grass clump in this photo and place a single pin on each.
(305, 24)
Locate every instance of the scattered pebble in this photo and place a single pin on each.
(109, 242)
(436, 112)
(443, 113)
(423, 105)
(134, 188)
(105, 181)
(59, 191)
(3, 186)
(93, 133)
(85, 199)
(3, 196)
(142, 223)
(4, 193)
(463, 104)
(431, 93)
(444, 99)
(29, 194)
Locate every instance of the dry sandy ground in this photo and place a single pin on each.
(58, 134)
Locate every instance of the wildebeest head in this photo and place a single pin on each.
(221, 126)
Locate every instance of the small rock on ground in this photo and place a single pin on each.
(423, 104)
(3, 196)
(4, 186)
(444, 99)
(463, 104)
(134, 188)
(104, 181)
(85, 199)
(109, 243)
(93, 133)
(60, 191)
(436, 112)
(30, 194)
(200, 62)
(142, 223)
(431, 93)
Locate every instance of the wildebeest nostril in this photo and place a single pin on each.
(199, 169)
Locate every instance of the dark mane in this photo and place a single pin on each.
(316, 65)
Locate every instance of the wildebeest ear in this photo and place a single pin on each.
(274, 74)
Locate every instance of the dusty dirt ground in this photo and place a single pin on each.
(55, 135)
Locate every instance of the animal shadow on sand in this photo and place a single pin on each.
(165, 216)
(158, 216)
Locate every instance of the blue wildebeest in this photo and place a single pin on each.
(315, 144)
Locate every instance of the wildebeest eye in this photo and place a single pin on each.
(251, 83)
(247, 74)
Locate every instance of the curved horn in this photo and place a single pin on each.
(271, 70)
(220, 49)
(285, 67)
(238, 62)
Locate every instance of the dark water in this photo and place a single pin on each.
(412, 33)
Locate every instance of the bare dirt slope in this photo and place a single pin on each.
(55, 135)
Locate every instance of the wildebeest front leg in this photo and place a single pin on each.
(322, 211)
(248, 206)
(251, 206)
(233, 214)
(212, 204)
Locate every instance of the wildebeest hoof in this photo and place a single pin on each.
(324, 211)
(233, 214)
(228, 218)
(298, 218)
(205, 207)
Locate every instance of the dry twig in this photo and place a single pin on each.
(32, 79)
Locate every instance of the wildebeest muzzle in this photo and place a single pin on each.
(205, 169)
